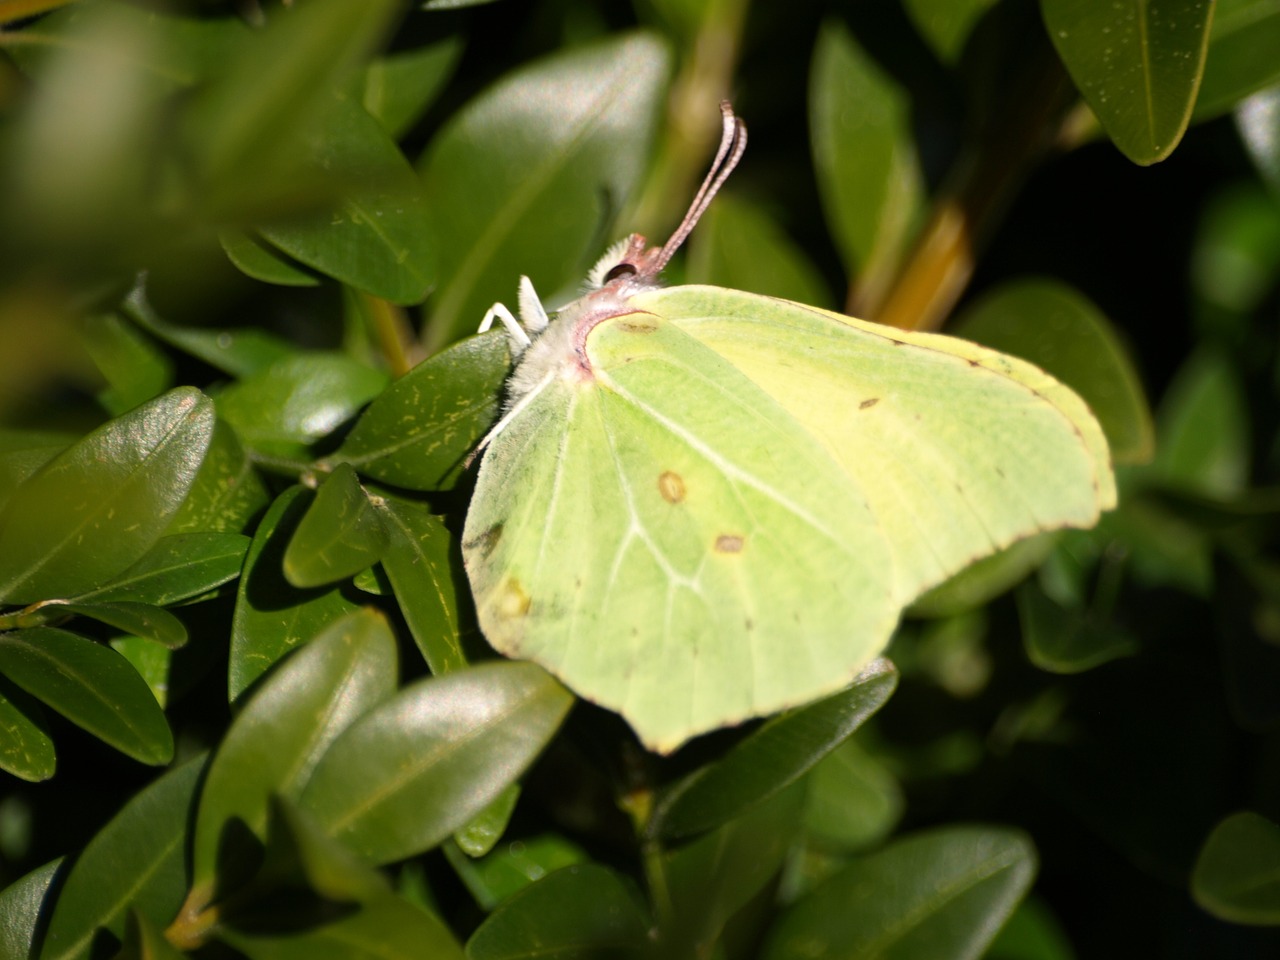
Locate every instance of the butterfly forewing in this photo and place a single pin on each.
(959, 450)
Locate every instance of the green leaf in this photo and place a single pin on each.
(140, 619)
(865, 159)
(1203, 429)
(1237, 875)
(1032, 933)
(272, 616)
(941, 894)
(245, 129)
(711, 879)
(1236, 260)
(1057, 328)
(134, 367)
(1137, 63)
(151, 660)
(92, 686)
(421, 562)
(771, 758)
(580, 911)
(946, 24)
(415, 769)
(23, 452)
(226, 493)
(737, 245)
(177, 568)
(853, 800)
(22, 905)
(981, 582)
(376, 237)
(239, 353)
(26, 748)
(418, 432)
(397, 88)
(137, 860)
(1241, 60)
(340, 534)
(255, 258)
(1067, 640)
(96, 508)
(512, 866)
(477, 837)
(276, 741)
(525, 177)
(293, 402)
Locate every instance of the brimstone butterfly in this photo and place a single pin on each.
(702, 505)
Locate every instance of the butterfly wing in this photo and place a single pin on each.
(958, 449)
(669, 541)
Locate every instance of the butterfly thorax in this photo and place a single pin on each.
(559, 351)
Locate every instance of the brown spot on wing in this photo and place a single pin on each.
(486, 542)
(671, 486)
(729, 543)
(868, 403)
(512, 602)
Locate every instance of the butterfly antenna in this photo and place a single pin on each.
(733, 141)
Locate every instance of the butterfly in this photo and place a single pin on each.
(702, 506)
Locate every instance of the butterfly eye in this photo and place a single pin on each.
(621, 270)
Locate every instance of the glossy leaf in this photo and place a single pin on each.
(771, 758)
(140, 619)
(421, 565)
(376, 238)
(398, 87)
(26, 748)
(1241, 60)
(478, 837)
(226, 493)
(737, 245)
(275, 742)
(138, 861)
(1237, 875)
(942, 894)
(1137, 64)
(246, 129)
(865, 159)
(1059, 329)
(23, 452)
(298, 400)
(946, 24)
(272, 616)
(513, 865)
(92, 686)
(1063, 640)
(177, 568)
(418, 433)
(151, 660)
(258, 259)
(853, 801)
(712, 878)
(580, 911)
(238, 353)
(981, 582)
(418, 767)
(525, 177)
(1203, 429)
(340, 534)
(99, 506)
(21, 905)
(134, 367)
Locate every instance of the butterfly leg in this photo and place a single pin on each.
(532, 312)
(515, 333)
